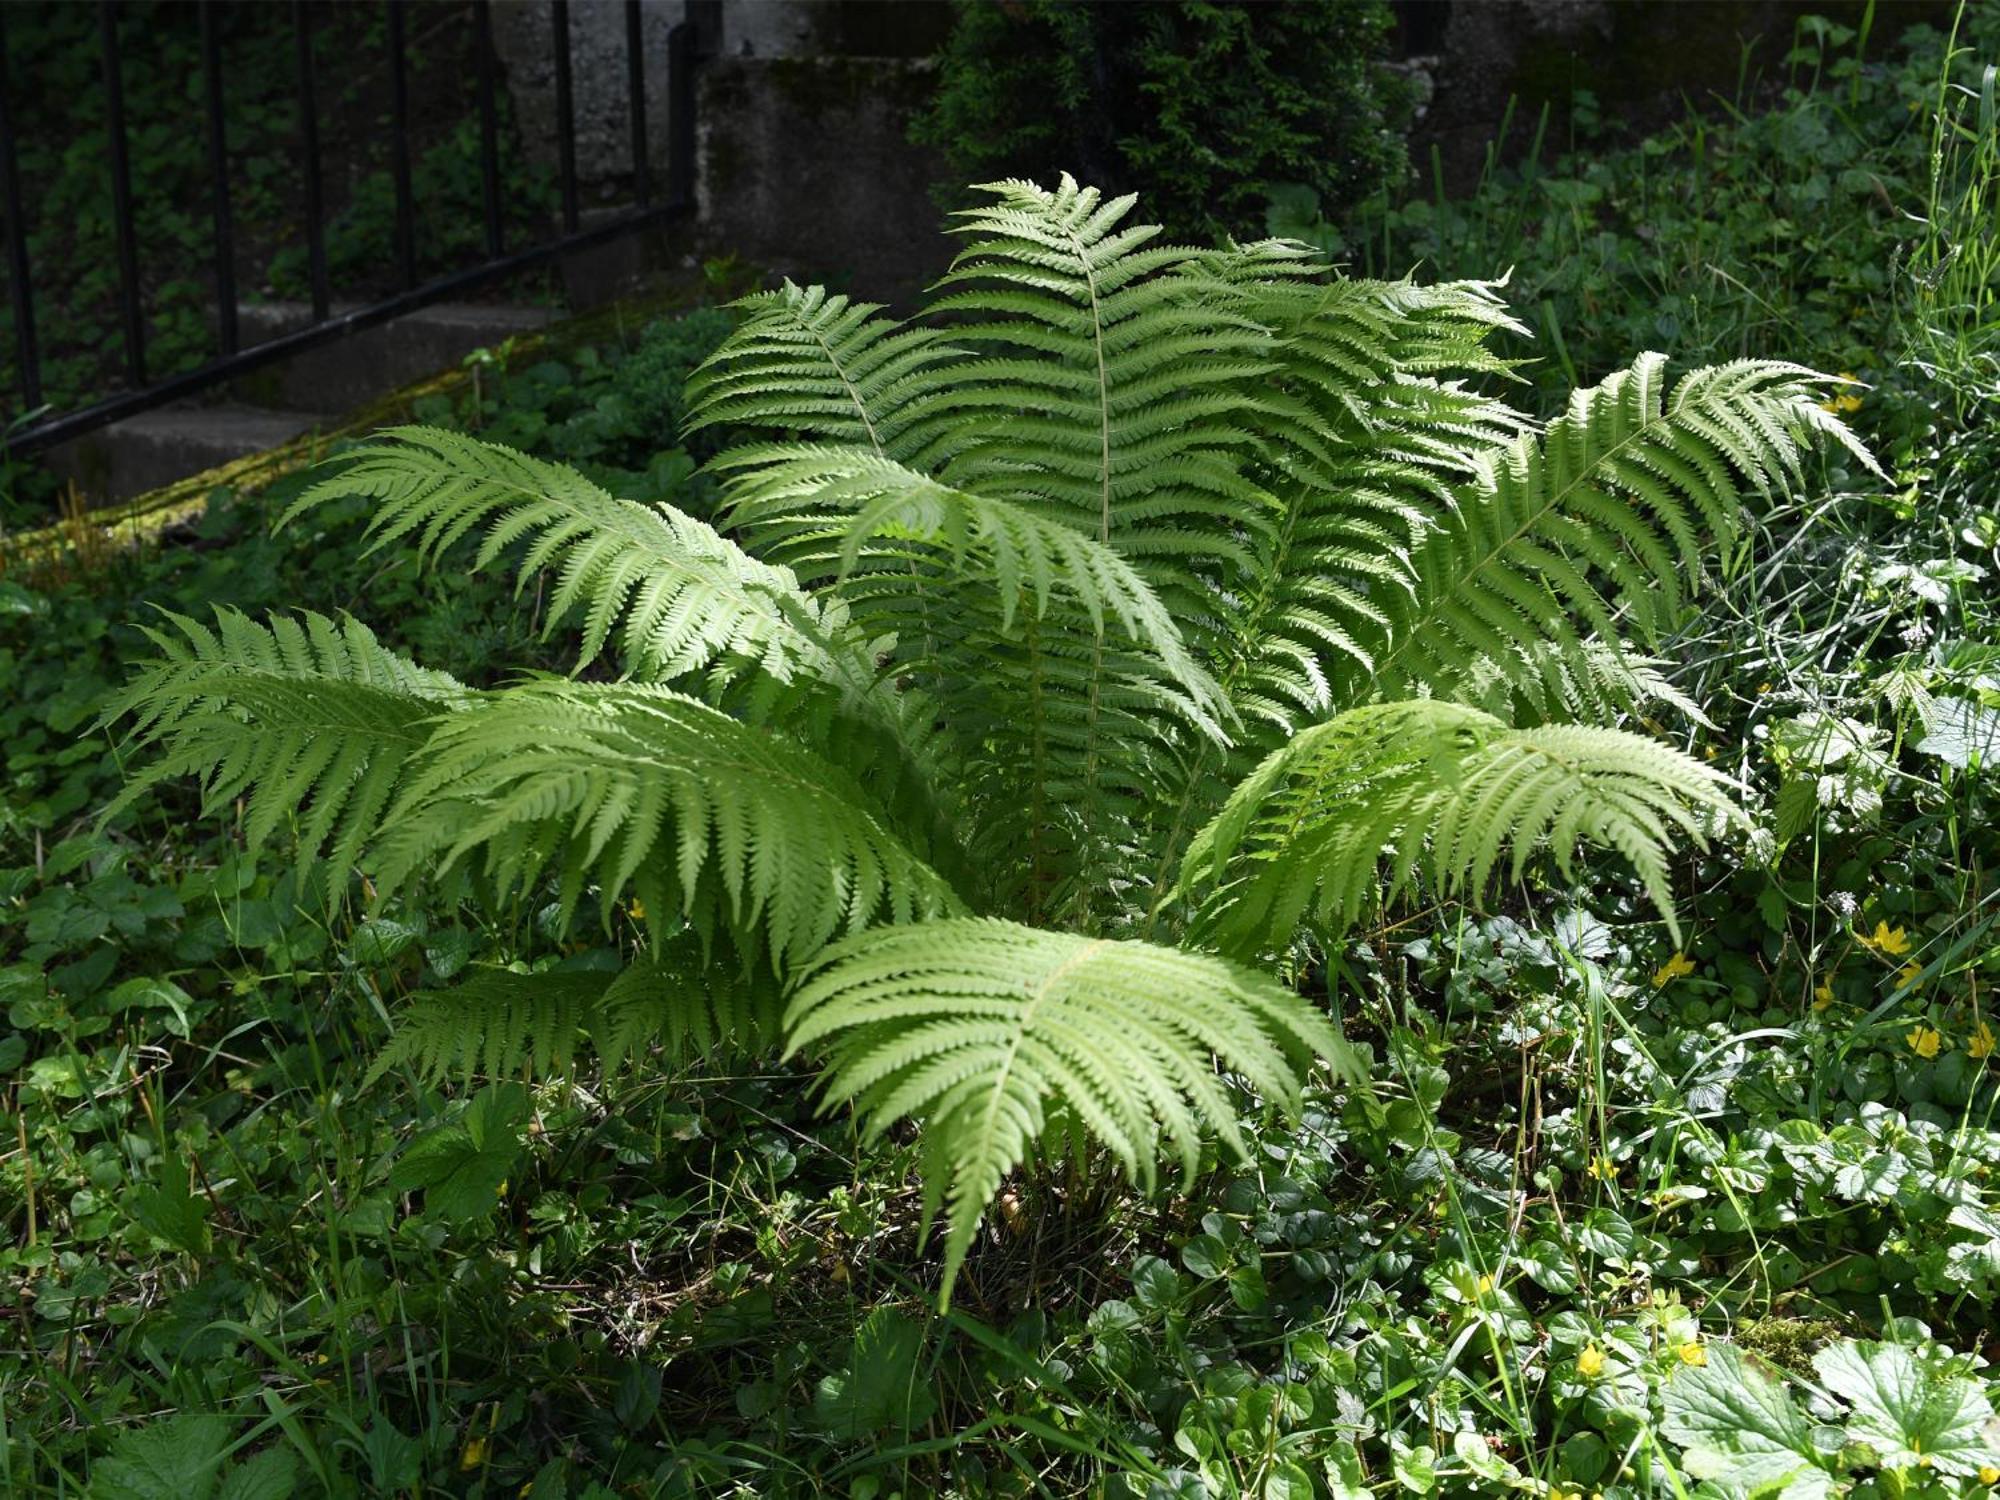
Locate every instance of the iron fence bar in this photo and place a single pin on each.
(218, 166)
(20, 291)
(635, 88)
(121, 197)
(680, 114)
(129, 403)
(565, 114)
(399, 150)
(489, 124)
(309, 147)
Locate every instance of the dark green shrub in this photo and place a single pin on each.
(1190, 103)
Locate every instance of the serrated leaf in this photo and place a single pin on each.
(270, 1475)
(177, 1459)
(1742, 1428)
(1909, 1413)
(462, 1165)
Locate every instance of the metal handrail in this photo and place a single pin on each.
(684, 49)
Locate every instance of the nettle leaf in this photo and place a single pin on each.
(1913, 1414)
(1742, 1430)
(462, 1166)
(1961, 733)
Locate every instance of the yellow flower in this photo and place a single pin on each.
(1671, 970)
(1894, 941)
(1602, 1168)
(1980, 1044)
(1823, 993)
(1988, 1474)
(473, 1454)
(637, 910)
(1590, 1363)
(1924, 1040)
(1907, 975)
(1843, 401)
(1485, 1285)
(1692, 1353)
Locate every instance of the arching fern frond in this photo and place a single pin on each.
(1001, 1038)
(1444, 792)
(678, 595)
(884, 536)
(499, 1023)
(627, 790)
(1607, 519)
(816, 364)
(308, 719)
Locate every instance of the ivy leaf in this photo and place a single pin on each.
(1913, 1416)
(462, 1166)
(1742, 1430)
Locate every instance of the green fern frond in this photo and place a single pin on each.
(1109, 379)
(1375, 440)
(311, 721)
(496, 1023)
(998, 1037)
(817, 364)
(499, 1023)
(1444, 792)
(1607, 519)
(882, 533)
(677, 593)
(630, 790)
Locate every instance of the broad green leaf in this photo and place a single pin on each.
(1911, 1415)
(172, 1211)
(882, 1389)
(1741, 1428)
(177, 1459)
(462, 1166)
(271, 1475)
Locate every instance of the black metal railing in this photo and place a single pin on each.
(687, 40)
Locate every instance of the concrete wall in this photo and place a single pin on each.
(806, 169)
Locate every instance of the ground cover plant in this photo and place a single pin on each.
(1621, 1212)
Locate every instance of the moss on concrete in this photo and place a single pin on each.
(32, 553)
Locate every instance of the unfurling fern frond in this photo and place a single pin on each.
(679, 595)
(1607, 519)
(1002, 1038)
(1443, 791)
(307, 719)
(498, 1022)
(632, 790)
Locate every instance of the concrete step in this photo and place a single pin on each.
(369, 363)
(157, 448)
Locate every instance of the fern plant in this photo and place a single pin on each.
(1055, 668)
